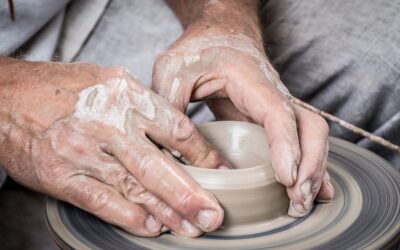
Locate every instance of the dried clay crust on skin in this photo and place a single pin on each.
(110, 102)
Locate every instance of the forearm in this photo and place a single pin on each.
(26, 91)
(15, 131)
(230, 16)
(28, 88)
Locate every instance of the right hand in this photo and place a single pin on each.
(232, 73)
(99, 152)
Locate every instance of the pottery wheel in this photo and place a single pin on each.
(365, 213)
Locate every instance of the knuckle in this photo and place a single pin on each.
(184, 129)
(160, 61)
(321, 125)
(188, 202)
(212, 157)
(287, 106)
(145, 165)
(135, 219)
(167, 64)
(117, 70)
(131, 188)
(162, 208)
(51, 172)
(98, 199)
(160, 64)
(166, 210)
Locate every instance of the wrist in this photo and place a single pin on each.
(228, 17)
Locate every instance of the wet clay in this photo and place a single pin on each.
(249, 193)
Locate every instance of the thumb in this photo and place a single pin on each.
(175, 77)
(167, 81)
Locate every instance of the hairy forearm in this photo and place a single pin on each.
(231, 16)
(14, 139)
(15, 126)
(27, 89)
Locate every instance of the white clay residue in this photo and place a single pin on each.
(109, 102)
(176, 153)
(189, 59)
(237, 42)
(145, 105)
(173, 90)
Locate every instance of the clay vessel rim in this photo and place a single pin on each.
(231, 178)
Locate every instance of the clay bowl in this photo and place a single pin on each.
(249, 193)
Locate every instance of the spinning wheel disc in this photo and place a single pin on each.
(365, 213)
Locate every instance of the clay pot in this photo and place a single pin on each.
(250, 193)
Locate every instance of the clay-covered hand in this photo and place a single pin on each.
(229, 69)
(89, 136)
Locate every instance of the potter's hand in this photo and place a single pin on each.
(93, 146)
(220, 58)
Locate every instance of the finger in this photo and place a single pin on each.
(262, 102)
(168, 82)
(327, 192)
(166, 215)
(181, 78)
(109, 205)
(175, 131)
(176, 85)
(163, 178)
(266, 106)
(170, 128)
(313, 135)
(118, 177)
(280, 127)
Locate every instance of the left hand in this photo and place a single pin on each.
(232, 73)
(89, 135)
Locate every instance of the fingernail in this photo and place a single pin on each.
(189, 229)
(296, 210)
(153, 225)
(206, 218)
